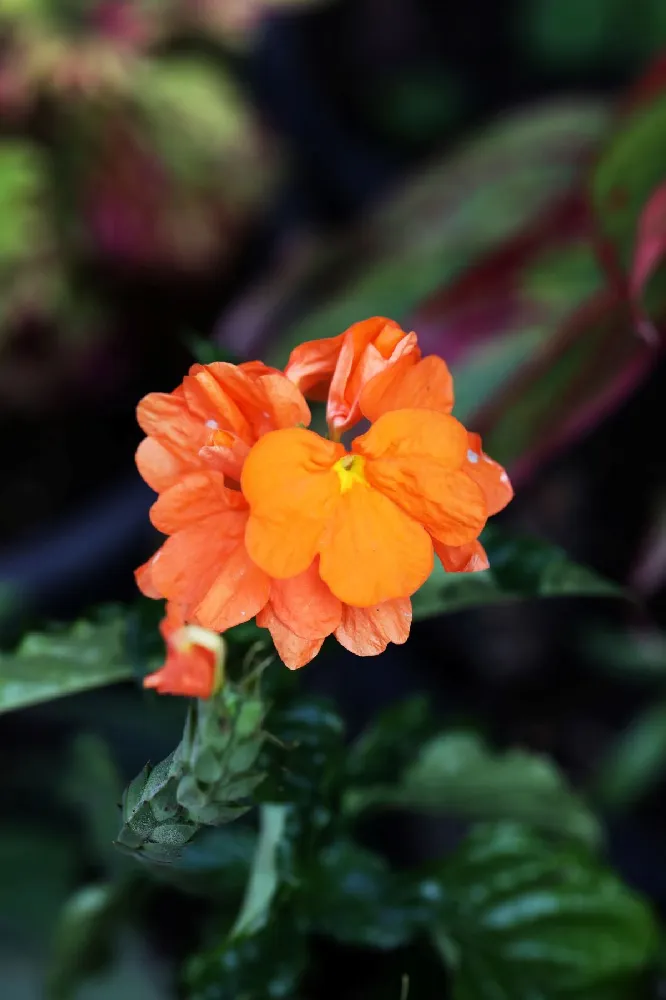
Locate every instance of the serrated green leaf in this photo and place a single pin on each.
(520, 568)
(532, 920)
(456, 773)
(49, 665)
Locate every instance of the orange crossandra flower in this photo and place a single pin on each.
(342, 365)
(194, 664)
(267, 519)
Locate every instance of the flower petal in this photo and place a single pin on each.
(239, 591)
(225, 453)
(159, 467)
(294, 651)
(313, 362)
(292, 489)
(368, 631)
(426, 385)
(213, 404)
(305, 605)
(414, 457)
(166, 417)
(197, 496)
(489, 475)
(144, 579)
(371, 551)
(287, 405)
(189, 562)
(408, 433)
(470, 558)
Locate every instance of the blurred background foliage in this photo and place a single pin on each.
(225, 178)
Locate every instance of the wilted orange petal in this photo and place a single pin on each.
(372, 551)
(414, 457)
(158, 466)
(291, 488)
(368, 631)
(144, 579)
(489, 475)
(306, 605)
(189, 561)
(238, 592)
(165, 417)
(294, 651)
(426, 385)
(470, 558)
(197, 496)
(287, 405)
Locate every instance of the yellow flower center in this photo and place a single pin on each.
(350, 471)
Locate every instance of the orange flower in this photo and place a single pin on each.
(194, 663)
(268, 519)
(342, 365)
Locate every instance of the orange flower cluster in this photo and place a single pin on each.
(267, 519)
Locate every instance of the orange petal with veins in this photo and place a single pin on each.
(368, 631)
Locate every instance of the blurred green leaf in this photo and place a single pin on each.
(391, 741)
(444, 220)
(37, 870)
(628, 653)
(526, 919)
(266, 965)
(520, 568)
(264, 875)
(23, 181)
(457, 773)
(94, 787)
(571, 34)
(635, 762)
(47, 665)
(84, 938)
(629, 169)
(351, 895)
(307, 764)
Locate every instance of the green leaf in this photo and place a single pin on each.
(391, 741)
(84, 938)
(635, 763)
(353, 896)
(526, 919)
(264, 966)
(37, 871)
(48, 665)
(520, 568)
(264, 877)
(449, 217)
(456, 773)
(93, 786)
(628, 172)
